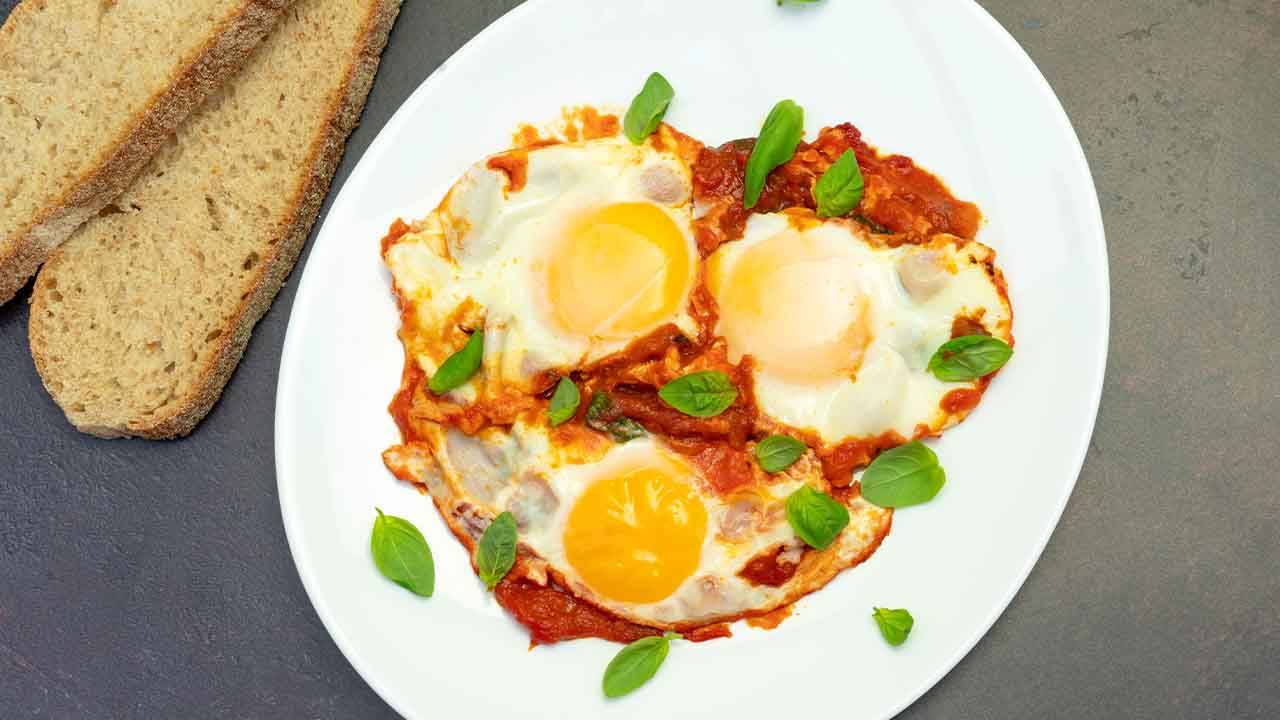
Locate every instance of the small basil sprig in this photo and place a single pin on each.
(839, 190)
(496, 551)
(777, 142)
(621, 429)
(700, 394)
(778, 452)
(635, 664)
(402, 554)
(969, 357)
(906, 475)
(458, 368)
(816, 516)
(564, 402)
(647, 108)
(895, 625)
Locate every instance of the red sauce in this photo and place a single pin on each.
(515, 164)
(965, 325)
(401, 406)
(961, 400)
(397, 230)
(709, 632)
(725, 467)
(839, 461)
(766, 569)
(553, 615)
(771, 619)
(897, 194)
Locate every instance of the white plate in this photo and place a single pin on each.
(938, 80)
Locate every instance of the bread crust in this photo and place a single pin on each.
(281, 251)
(222, 54)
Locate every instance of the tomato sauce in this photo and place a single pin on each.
(398, 229)
(553, 615)
(515, 165)
(709, 632)
(964, 325)
(839, 461)
(771, 619)
(961, 400)
(897, 195)
(767, 569)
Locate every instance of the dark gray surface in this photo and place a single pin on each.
(148, 580)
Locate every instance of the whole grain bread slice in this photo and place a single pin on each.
(89, 89)
(138, 320)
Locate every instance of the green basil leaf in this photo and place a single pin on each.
(621, 429)
(564, 402)
(701, 394)
(895, 625)
(778, 452)
(839, 190)
(635, 664)
(624, 429)
(596, 409)
(647, 108)
(402, 555)
(816, 516)
(969, 357)
(458, 368)
(797, 2)
(496, 551)
(906, 475)
(777, 142)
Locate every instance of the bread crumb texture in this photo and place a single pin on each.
(88, 90)
(138, 320)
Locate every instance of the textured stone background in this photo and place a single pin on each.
(146, 580)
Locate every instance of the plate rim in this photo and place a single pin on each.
(1096, 228)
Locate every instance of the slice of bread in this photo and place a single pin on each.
(138, 320)
(89, 89)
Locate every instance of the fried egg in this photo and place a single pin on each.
(564, 253)
(637, 532)
(842, 325)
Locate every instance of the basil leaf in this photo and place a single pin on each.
(635, 664)
(777, 142)
(906, 475)
(458, 368)
(816, 516)
(778, 452)
(796, 2)
(624, 429)
(621, 429)
(701, 394)
(496, 552)
(895, 625)
(969, 357)
(647, 108)
(839, 190)
(402, 554)
(596, 409)
(564, 402)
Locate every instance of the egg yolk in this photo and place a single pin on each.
(793, 301)
(618, 270)
(635, 535)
